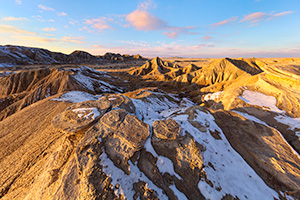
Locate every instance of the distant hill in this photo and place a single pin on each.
(11, 55)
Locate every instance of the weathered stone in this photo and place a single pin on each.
(183, 151)
(143, 192)
(166, 129)
(79, 116)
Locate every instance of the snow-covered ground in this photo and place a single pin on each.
(293, 123)
(269, 103)
(87, 112)
(89, 80)
(76, 97)
(260, 99)
(213, 96)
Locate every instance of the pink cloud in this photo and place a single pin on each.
(46, 8)
(282, 13)
(99, 23)
(207, 37)
(226, 21)
(70, 39)
(172, 35)
(49, 29)
(196, 51)
(144, 21)
(152, 49)
(254, 17)
(174, 31)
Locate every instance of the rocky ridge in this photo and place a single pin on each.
(11, 55)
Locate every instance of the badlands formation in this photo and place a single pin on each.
(169, 129)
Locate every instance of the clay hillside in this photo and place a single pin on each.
(221, 129)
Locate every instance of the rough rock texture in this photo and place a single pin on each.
(264, 149)
(184, 153)
(142, 192)
(123, 135)
(71, 120)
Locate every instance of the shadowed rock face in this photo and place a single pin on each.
(264, 149)
(19, 55)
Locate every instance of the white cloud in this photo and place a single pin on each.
(46, 8)
(14, 18)
(19, 2)
(99, 23)
(49, 29)
(62, 14)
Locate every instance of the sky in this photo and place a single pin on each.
(165, 28)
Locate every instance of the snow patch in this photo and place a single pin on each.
(87, 112)
(213, 96)
(293, 123)
(82, 76)
(260, 99)
(76, 97)
(126, 181)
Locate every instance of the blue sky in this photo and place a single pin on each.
(189, 28)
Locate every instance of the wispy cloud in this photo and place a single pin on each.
(45, 8)
(38, 17)
(35, 39)
(207, 37)
(146, 5)
(226, 21)
(99, 23)
(51, 20)
(174, 31)
(19, 2)
(40, 39)
(282, 14)
(254, 18)
(70, 39)
(62, 14)
(49, 29)
(14, 18)
(142, 20)
(152, 49)
(12, 29)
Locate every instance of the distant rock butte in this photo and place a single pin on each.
(19, 55)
